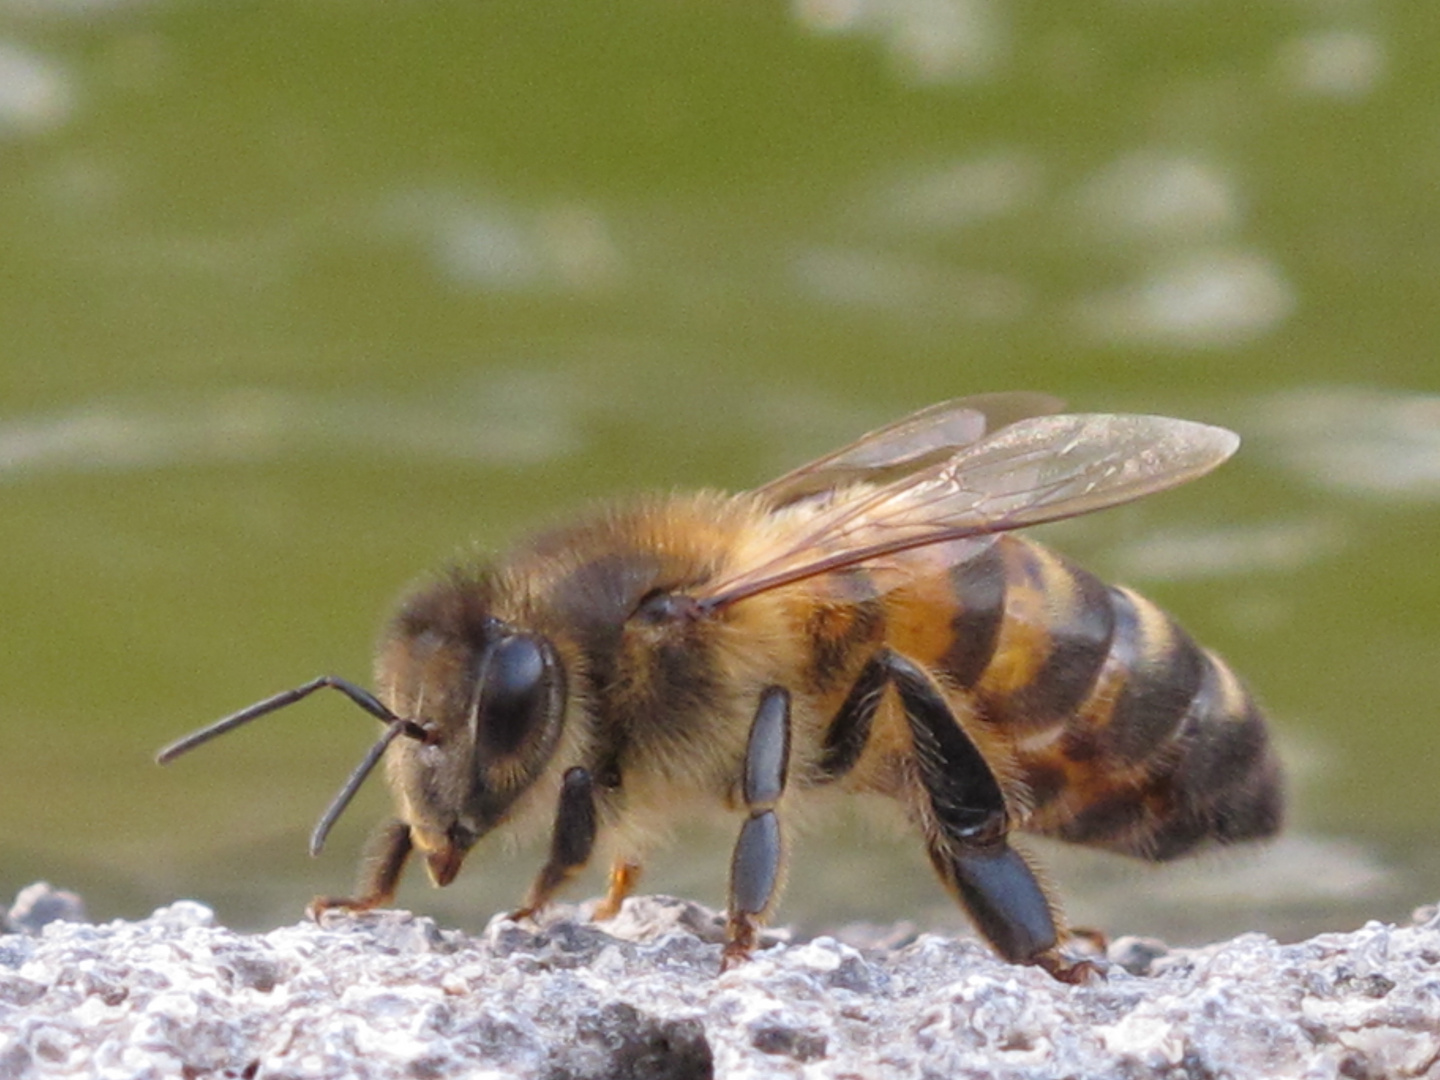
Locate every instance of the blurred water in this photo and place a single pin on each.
(300, 300)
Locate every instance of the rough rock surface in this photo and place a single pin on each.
(391, 995)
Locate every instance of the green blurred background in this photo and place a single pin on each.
(299, 299)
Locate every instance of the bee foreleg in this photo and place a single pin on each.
(759, 852)
(570, 844)
(967, 829)
(389, 850)
(624, 875)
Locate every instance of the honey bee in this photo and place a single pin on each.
(868, 623)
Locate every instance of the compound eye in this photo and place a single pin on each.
(516, 684)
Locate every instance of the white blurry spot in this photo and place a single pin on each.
(1187, 554)
(35, 93)
(512, 418)
(829, 16)
(1332, 63)
(854, 278)
(578, 242)
(1201, 299)
(1366, 442)
(962, 193)
(929, 41)
(499, 248)
(1159, 197)
(488, 248)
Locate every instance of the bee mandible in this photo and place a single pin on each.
(868, 623)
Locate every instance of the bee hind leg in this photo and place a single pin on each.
(571, 842)
(380, 873)
(966, 827)
(759, 852)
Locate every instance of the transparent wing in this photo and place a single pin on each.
(921, 439)
(1035, 470)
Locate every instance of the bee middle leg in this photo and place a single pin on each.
(966, 832)
(759, 851)
(571, 842)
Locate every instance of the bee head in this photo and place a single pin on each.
(491, 697)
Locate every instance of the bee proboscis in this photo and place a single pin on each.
(869, 623)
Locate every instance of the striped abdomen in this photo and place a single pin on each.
(1126, 733)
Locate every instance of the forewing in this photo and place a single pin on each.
(920, 440)
(1036, 470)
